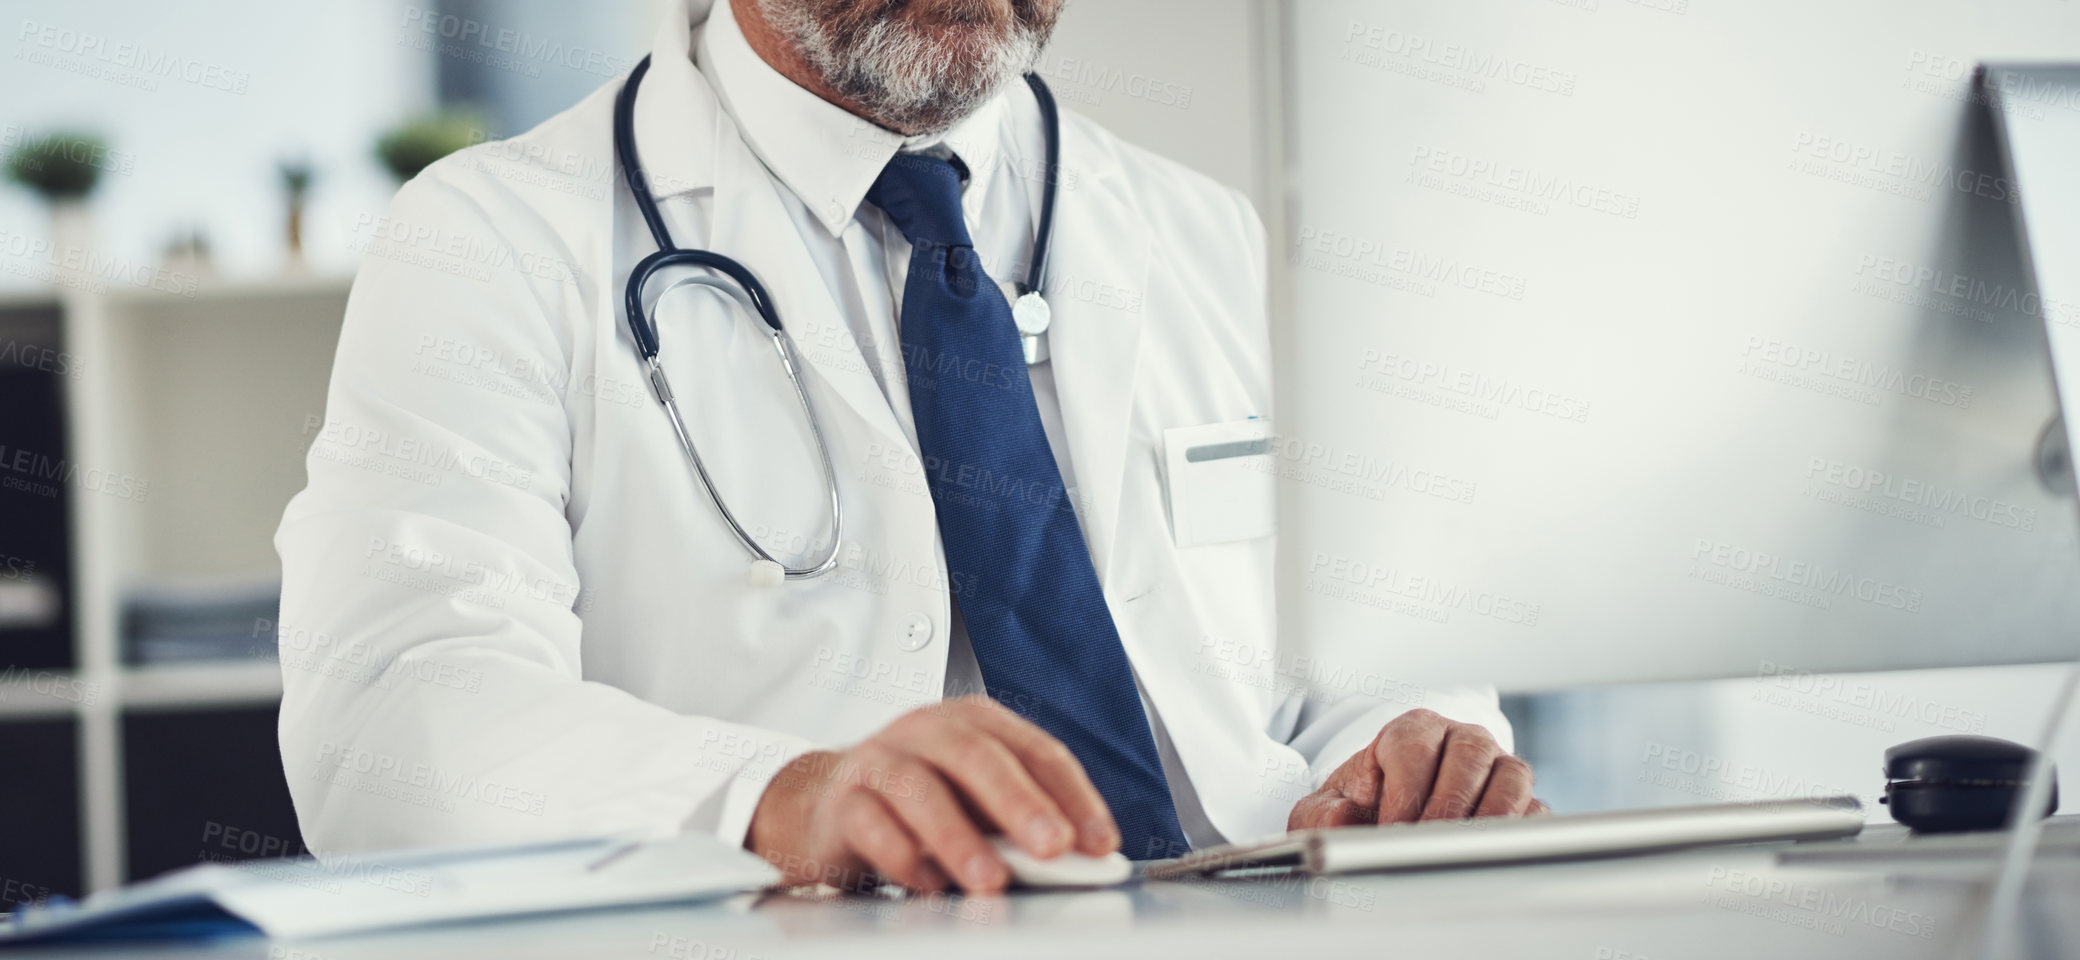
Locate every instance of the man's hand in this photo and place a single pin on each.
(1421, 767)
(914, 802)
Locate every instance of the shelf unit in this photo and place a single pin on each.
(194, 405)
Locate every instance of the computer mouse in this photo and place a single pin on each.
(1067, 870)
(1957, 783)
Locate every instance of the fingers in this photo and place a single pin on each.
(1509, 789)
(994, 780)
(944, 829)
(1421, 767)
(1053, 767)
(1348, 797)
(1407, 751)
(1466, 762)
(1357, 780)
(916, 800)
(874, 836)
(1327, 808)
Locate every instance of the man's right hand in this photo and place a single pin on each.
(914, 803)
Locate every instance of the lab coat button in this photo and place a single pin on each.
(918, 634)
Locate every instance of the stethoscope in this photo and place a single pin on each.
(1029, 313)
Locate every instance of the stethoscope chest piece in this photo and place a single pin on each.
(767, 573)
(1032, 316)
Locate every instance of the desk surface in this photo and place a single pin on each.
(1725, 902)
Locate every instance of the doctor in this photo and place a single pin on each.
(512, 608)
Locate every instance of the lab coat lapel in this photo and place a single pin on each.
(753, 225)
(674, 107)
(1096, 286)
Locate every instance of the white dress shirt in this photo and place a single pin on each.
(829, 158)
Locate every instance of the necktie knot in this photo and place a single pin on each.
(922, 195)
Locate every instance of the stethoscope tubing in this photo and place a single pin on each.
(754, 295)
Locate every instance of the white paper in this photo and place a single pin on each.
(304, 898)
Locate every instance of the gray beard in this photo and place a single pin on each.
(903, 79)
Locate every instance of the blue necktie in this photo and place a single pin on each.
(1036, 616)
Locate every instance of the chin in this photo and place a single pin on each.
(915, 66)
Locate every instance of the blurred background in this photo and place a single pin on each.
(191, 186)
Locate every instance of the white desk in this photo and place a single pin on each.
(1729, 902)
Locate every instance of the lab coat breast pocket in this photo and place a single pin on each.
(1219, 481)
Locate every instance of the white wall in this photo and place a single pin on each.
(1184, 78)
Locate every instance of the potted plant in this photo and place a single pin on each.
(63, 167)
(411, 146)
(296, 183)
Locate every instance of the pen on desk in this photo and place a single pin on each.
(613, 855)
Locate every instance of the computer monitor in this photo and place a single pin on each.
(2042, 148)
(1646, 339)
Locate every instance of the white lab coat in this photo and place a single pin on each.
(509, 612)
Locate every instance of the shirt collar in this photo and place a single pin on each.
(825, 155)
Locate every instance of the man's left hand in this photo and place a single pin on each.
(1421, 767)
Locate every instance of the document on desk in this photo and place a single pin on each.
(302, 898)
(1445, 844)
